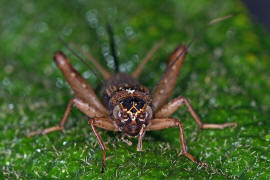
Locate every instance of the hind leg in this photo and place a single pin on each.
(78, 84)
(167, 82)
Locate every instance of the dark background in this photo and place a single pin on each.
(259, 11)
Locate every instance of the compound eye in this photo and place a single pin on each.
(125, 116)
(143, 116)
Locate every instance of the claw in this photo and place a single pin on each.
(180, 153)
(125, 140)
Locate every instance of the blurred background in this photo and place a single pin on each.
(225, 76)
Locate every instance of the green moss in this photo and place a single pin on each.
(225, 76)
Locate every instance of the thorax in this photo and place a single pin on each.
(129, 103)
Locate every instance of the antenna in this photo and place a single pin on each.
(112, 47)
(196, 36)
(81, 59)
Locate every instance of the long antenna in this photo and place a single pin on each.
(81, 59)
(196, 36)
(112, 47)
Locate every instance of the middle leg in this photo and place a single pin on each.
(174, 104)
(89, 110)
(58, 127)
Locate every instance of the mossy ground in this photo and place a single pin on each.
(226, 77)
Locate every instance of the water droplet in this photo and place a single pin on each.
(6, 82)
(105, 49)
(62, 162)
(211, 133)
(129, 32)
(11, 106)
(110, 61)
(67, 31)
(162, 66)
(8, 69)
(263, 157)
(253, 103)
(230, 34)
(236, 143)
(218, 52)
(101, 31)
(212, 101)
(267, 137)
(59, 83)
(38, 150)
(86, 74)
(65, 142)
(91, 17)
(42, 27)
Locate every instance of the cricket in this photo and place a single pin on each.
(127, 106)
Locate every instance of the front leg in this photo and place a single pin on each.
(102, 123)
(140, 137)
(174, 104)
(163, 123)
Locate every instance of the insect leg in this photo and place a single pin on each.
(141, 134)
(101, 120)
(147, 57)
(58, 127)
(167, 82)
(98, 122)
(125, 140)
(103, 71)
(174, 104)
(163, 123)
(85, 108)
(105, 123)
(77, 83)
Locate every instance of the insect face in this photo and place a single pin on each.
(131, 114)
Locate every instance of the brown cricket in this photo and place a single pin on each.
(127, 106)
